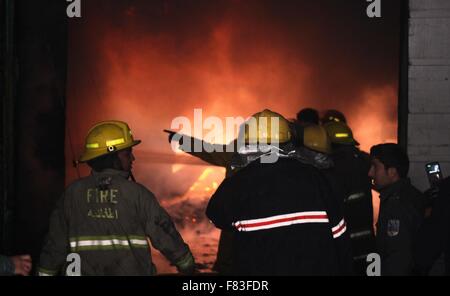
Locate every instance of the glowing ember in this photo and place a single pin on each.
(188, 212)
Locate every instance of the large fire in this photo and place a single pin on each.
(189, 213)
(148, 63)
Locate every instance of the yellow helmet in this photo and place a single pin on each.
(107, 137)
(340, 133)
(258, 129)
(315, 137)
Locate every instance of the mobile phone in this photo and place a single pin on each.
(434, 173)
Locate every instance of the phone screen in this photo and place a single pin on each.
(434, 173)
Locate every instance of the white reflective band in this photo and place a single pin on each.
(282, 220)
(339, 229)
(40, 273)
(115, 142)
(138, 242)
(107, 242)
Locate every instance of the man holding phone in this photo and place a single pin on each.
(434, 174)
(434, 235)
(401, 209)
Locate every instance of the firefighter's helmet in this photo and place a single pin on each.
(107, 137)
(340, 133)
(333, 115)
(315, 137)
(259, 129)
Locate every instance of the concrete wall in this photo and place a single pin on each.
(429, 87)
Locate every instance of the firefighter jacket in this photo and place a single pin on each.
(401, 214)
(106, 219)
(350, 174)
(284, 220)
(434, 236)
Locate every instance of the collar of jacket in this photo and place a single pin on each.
(393, 188)
(318, 160)
(113, 172)
(250, 153)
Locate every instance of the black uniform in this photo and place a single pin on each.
(284, 219)
(401, 214)
(351, 167)
(434, 235)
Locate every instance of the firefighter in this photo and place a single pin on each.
(226, 156)
(351, 167)
(108, 219)
(284, 220)
(401, 209)
(313, 146)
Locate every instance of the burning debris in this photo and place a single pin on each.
(188, 214)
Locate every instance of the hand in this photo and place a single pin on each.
(186, 265)
(171, 134)
(22, 264)
(188, 270)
